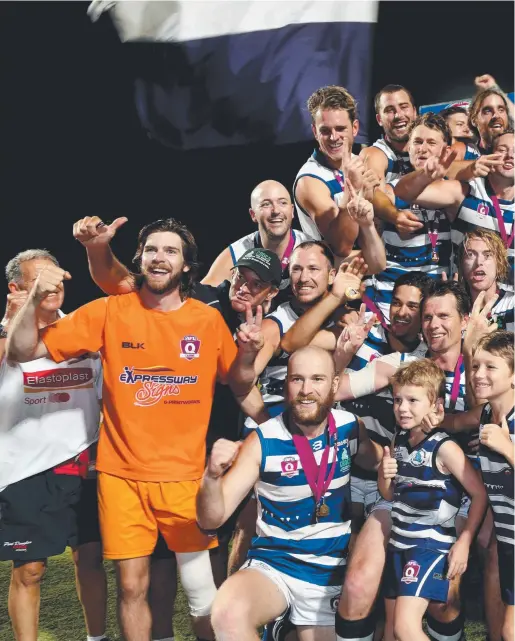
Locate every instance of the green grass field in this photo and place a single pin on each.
(61, 615)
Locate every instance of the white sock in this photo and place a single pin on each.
(102, 636)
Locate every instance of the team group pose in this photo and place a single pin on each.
(318, 437)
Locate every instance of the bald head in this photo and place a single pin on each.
(268, 189)
(312, 360)
(271, 208)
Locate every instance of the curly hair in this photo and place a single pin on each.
(423, 373)
(189, 250)
(494, 243)
(433, 121)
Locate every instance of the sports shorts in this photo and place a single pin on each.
(505, 556)
(364, 491)
(309, 604)
(381, 504)
(416, 572)
(133, 512)
(37, 517)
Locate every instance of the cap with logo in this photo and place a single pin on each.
(264, 262)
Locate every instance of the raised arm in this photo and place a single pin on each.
(23, 342)
(369, 380)
(386, 475)
(376, 160)
(369, 453)
(220, 492)
(220, 270)
(15, 301)
(106, 270)
(303, 331)
(384, 208)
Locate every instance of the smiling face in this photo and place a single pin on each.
(247, 287)
(491, 377)
(272, 209)
(310, 386)
(395, 115)
(310, 274)
(405, 312)
(424, 143)
(334, 130)
(162, 262)
(479, 265)
(504, 144)
(410, 404)
(442, 324)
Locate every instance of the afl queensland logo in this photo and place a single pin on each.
(190, 348)
(482, 209)
(289, 467)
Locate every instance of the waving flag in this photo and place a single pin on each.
(218, 73)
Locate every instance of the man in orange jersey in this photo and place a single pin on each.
(162, 353)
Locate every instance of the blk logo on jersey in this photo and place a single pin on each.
(410, 572)
(289, 467)
(190, 348)
(154, 383)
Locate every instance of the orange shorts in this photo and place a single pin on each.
(132, 512)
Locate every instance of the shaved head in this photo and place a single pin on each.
(316, 357)
(271, 208)
(268, 189)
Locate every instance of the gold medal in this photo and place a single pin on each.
(322, 510)
(352, 294)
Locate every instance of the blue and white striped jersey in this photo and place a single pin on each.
(477, 210)
(379, 406)
(426, 501)
(411, 254)
(398, 161)
(498, 479)
(317, 167)
(287, 538)
(252, 241)
(503, 310)
(471, 152)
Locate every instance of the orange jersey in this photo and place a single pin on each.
(160, 370)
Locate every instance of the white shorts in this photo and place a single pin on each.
(365, 492)
(381, 504)
(310, 604)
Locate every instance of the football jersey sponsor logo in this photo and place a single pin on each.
(419, 458)
(410, 572)
(289, 467)
(344, 461)
(154, 383)
(57, 379)
(190, 347)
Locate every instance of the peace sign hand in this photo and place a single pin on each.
(355, 332)
(479, 323)
(360, 210)
(249, 335)
(436, 167)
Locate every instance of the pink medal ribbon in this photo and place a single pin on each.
(316, 475)
(455, 389)
(339, 179)
(372, 307)
(288, 252)
(500, 222)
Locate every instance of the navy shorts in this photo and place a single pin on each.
(416, 572)
(505, 555)
(38, 518)
(86, 513)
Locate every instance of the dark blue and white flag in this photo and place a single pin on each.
(217, 73)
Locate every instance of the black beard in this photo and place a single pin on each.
(164, 289)
(323, 409)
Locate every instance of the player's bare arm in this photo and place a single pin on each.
(369, 380)
(106, 270)
(386, 474)
(346, 286)
(369, 454)
(221, 491)
(333, 221)
(23, 342)
(384, 208)
(377, 161)
(220, 270)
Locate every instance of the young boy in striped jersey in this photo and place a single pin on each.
(424, 476)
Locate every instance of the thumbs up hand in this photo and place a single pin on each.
(388, 466)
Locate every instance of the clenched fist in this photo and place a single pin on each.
(92, 231)
(15, 301)
(49, 281)
(223, 455)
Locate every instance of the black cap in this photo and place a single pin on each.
(265, 263)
